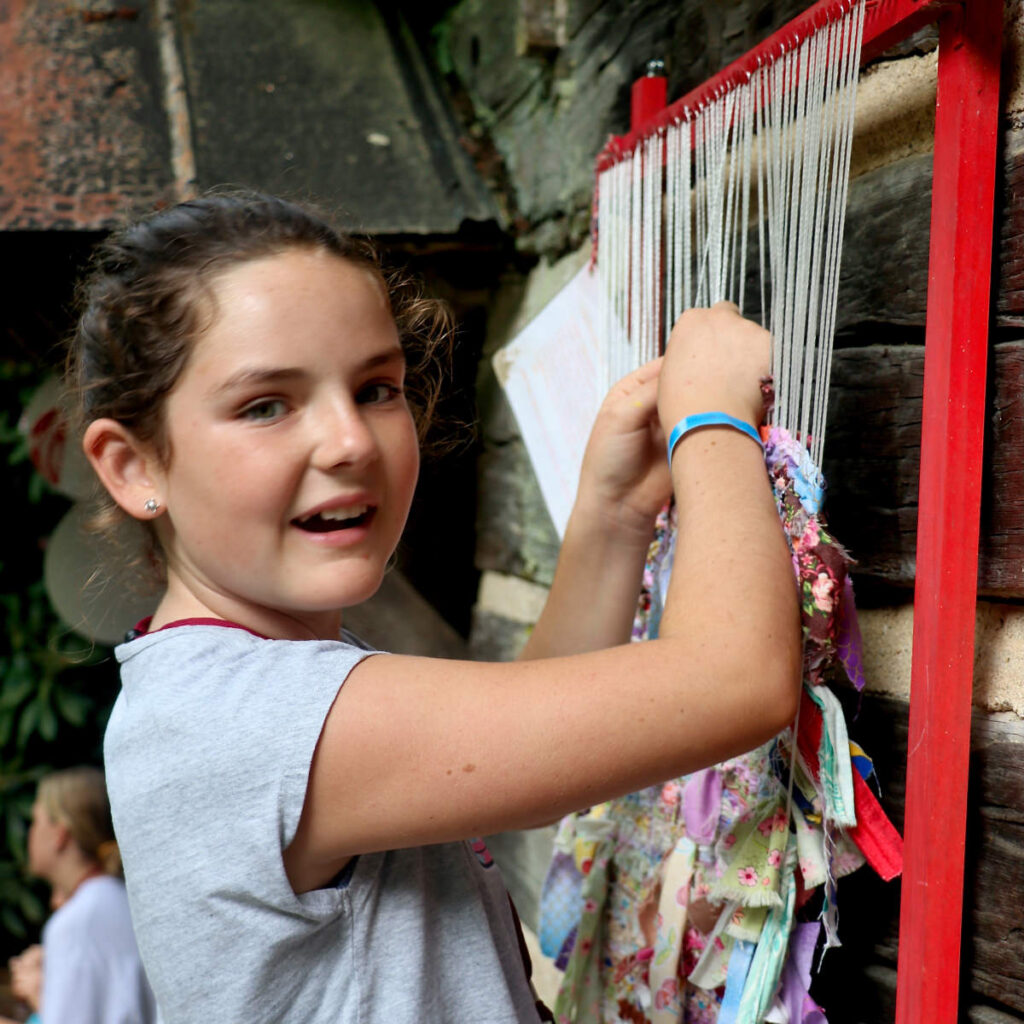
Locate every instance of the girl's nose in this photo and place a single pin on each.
(343, 437)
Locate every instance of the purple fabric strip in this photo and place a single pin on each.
(851, 646)
(813, 1013)
(796, 976)
(702, 804)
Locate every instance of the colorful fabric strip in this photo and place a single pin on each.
(666, 994)
(874, 835)
(849, 642)
(739, 968)
(834, 757)
(770, 955)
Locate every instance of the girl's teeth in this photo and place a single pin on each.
(336, 519)
(339, 514)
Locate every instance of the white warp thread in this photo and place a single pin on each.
(764, 163)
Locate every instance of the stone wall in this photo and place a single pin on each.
(547, 111)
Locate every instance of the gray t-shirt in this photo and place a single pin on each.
(208, 752)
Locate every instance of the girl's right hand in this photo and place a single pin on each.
(27, 976)
(715, 361)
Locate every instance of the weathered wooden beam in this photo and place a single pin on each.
(872, 464)
(872, 446)
(1010, 217)
(885, 247)
(884, 275)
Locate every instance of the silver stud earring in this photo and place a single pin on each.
(152, 505)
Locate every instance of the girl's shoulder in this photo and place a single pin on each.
(97, 904)
(229, 638)
(198, 675)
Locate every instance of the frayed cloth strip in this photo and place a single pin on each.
(836, 774)
(875, 836)
(673, 905)
(770, 955)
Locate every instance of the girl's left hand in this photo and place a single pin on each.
(625, 477)
(27, 976)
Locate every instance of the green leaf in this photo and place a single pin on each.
(36, 617)
(12, 923)
(73, 707)
(31, 906)
(37, 489)
(47, 721)
(27, 724)
(26, 798)
(17, 831)
(14, 692)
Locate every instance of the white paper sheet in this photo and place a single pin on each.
(552, 373)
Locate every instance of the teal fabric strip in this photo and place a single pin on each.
(739, 966)
(834, 757)
(770, 955)
(835, 722)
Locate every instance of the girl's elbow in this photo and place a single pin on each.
(784, 686)
(785, 664)
(777, 698)
(773, 680)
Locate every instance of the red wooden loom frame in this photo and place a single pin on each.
(952, 434)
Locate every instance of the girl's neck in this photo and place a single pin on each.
(196, 602)
(72, 874)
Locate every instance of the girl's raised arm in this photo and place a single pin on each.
(418, 751)
(624, 482)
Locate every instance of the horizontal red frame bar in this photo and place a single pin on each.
(886, 22)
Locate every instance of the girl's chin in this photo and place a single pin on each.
(355, 592)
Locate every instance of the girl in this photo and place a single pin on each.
(292, 807)
(89, 971)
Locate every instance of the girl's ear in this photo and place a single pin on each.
(62, 842)
(128, 469)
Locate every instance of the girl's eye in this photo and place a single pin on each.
(374, 394)
(265, 409)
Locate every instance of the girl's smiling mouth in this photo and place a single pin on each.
(331, 519)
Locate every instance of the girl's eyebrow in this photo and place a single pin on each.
(257, 375)
(394, 355)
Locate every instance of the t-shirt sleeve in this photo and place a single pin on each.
(269, 728)
(208, 756)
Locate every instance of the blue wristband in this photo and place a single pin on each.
(709, 419)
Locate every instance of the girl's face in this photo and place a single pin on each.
(46, 838)
(292, 453)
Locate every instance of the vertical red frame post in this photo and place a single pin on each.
(952, 435)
